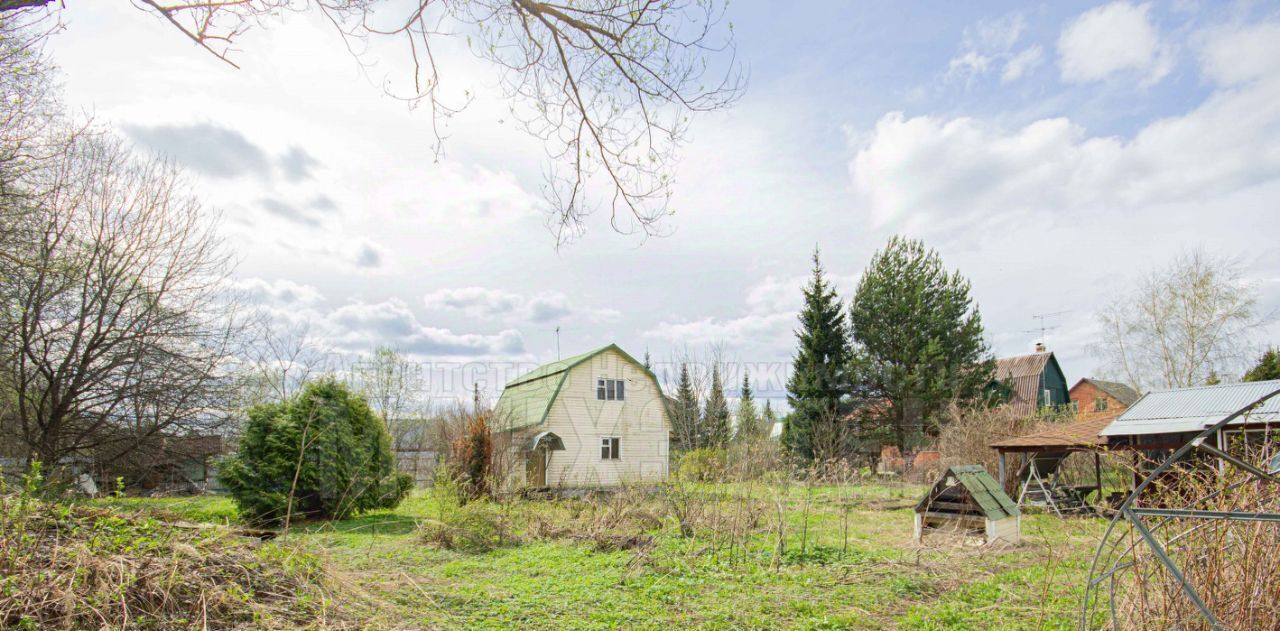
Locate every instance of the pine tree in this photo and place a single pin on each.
(749, 422)
(684, 412)
(918, 341)
(715, 417)
(1268, 367)
(819, 377)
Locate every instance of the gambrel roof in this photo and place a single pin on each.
(527, 399)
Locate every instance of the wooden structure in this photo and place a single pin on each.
(968, 499)
(1039, 482)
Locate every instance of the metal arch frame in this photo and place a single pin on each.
(1129, 513)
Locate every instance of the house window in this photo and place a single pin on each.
(609, 389)
(610, 449)
(1099, 404)
(1048, 396)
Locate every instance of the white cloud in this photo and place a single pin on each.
(991, 44)
(1112, 38)
(359, 326)
(1234, 55)
(937, 169)
(498, 304)
(282, 292)
(1020, 64)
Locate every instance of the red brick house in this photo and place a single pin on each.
(1093, 398)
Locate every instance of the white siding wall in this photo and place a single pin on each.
(581, 421)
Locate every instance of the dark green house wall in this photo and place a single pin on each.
(1055, 382)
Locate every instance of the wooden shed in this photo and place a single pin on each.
(966, 498)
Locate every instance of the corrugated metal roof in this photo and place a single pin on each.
(1022, 365)
(1193, 409)
(1023, 376)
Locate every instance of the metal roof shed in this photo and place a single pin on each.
(1184, 410)
(968, 498)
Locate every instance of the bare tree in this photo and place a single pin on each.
(275, 362)
(609, 86)
(395, 390)
(118, 334)
(1180, 325)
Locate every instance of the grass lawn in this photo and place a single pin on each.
(878, 578)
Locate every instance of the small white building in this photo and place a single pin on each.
(593, 420)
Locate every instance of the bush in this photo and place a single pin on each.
(472, 527)
(324, 449)
(703, 465)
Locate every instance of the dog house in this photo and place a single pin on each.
(967, 499)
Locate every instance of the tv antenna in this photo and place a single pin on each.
(1041, 317)
(557, 342)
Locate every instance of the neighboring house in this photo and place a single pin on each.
(593, 420)
(1093, 398)
(1031, 382)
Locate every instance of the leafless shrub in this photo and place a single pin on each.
(1230, 564)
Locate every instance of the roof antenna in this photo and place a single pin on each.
(1042, 329)
(557, 342)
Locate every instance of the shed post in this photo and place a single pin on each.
(1097, 473)
(1000, 462)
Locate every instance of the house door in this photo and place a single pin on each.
(536, 467)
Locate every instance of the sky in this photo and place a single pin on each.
(1052, 152)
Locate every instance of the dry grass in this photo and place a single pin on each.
(77, 567)
(1231, 564)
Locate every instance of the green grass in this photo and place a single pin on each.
(880, 580)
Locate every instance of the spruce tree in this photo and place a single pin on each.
(715, 418)
(918, 341)
(1268, 367)
(685, 413)
(819, 377)
(749, 422)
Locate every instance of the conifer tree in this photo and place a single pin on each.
(1268, 367)
(819, 377)
(715, 418)
(918, 341)
(768, 418)
(749, 423)
(685, 413)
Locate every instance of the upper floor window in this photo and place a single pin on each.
(609, 389)
(1099, 404)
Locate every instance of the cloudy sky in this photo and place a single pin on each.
(1052, 152)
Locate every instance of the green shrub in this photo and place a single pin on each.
(703, 465)
(472, 527)
(324, 448)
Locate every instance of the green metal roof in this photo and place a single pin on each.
(984, 490)
(527, 399)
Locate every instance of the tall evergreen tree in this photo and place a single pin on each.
(917, 340)
(685, 414)
(819, 377)
(769, 418)
(1268, 367)
(750, 425)
(715, 416)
